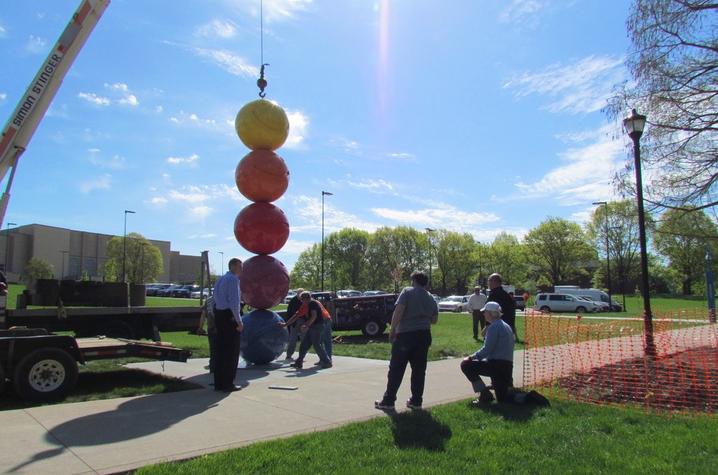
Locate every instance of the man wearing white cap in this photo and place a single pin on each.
(495, 359)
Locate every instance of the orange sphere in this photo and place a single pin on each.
(262, 175)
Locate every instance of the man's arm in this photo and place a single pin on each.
(312, 317)
(395, 319)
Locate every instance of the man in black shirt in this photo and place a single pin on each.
(508, 305)
(292, 308)
(314, 329)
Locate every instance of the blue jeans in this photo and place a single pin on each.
(327, 338)
(313, 337)
(411, 348)
(294, 335)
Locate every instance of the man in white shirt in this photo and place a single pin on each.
(476, 303)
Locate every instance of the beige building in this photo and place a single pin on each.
(72, 253)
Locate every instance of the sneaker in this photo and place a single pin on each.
(383, 406)
(326, 365)
(485, 397)
(412, 406)
(297, 364)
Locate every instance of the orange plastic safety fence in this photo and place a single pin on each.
(611, 361)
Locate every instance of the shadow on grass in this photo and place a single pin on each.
(360, 339)
(419, 430)
(508, 412)
(123, 382)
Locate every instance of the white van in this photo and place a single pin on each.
(552, 302)
(593, 294)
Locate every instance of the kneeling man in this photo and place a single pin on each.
(495, 359)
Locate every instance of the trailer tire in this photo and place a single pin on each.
(46, 374)
(372, 328)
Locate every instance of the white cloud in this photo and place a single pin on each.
(273, 10)
(191, 119)
(159, 109)
(217, 29)
(372, 185)
(3, 96)
(293, 246)
(487, 235)
(581, 87)
(309, 210)
(298, 125)
(93, 98)
(447, 217)
(200, 212)
(402, 156)
(228, 61)
(116, 162)
(158, 200)
(3, 31)
(521, 11)
(126, 96)
(100, 183)
(36, 45)
(191, 160)
(583, 216)
(585, 175)
(202, 236)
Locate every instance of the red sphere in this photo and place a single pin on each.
(264, 281)
(262, 175)
(261, 228)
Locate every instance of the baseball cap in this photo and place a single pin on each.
(492, 306)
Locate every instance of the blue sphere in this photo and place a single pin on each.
(262, 340)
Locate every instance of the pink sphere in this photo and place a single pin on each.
(264, 281)
(261, 228)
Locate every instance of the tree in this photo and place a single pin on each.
(506, 256)
(457, 260)
(346, 250)
(683, 238)
(623, 244)
(559, 250)
(37, 268)
(142, 259)
(674, 67)
(307, 271)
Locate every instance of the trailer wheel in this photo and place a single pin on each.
(373, 328)
(46, 374)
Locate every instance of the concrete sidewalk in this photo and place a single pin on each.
(121, 434)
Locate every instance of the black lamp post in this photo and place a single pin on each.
(124, 247)
(431, 248)
(608, 258)
(324, 193)
(634, 126)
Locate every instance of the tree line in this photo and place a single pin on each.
(555, 252)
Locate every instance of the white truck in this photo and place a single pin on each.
(594, 294)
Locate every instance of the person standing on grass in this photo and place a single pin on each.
(495, 359)
(208, 316)
(228, 321)
(476, 303)
(313, 331)
(508, 304)
(410, 336)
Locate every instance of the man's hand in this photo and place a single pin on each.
(282, 324)
(392, 335)
(240, 327)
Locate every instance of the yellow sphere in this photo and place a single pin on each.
(262, 125)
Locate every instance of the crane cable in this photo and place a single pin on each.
(261, 82)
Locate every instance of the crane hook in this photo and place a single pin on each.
(261, 82)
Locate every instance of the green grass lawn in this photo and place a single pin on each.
(456, 438)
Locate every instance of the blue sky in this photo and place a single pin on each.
(478, 116)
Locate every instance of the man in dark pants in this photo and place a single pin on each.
(228, 321)
(410, 334)
(508, 305)
(294, 334)
(476, 303)
(314, 329)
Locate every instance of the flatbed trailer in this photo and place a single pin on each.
(121, 322)
(42, 366)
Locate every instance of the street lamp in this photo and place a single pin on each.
(634, 128)
(7, 246)
(324, 193)
(221, 269)
(608, 259)
(124, 246)
(431, 248)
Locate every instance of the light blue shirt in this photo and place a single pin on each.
(227, 295)
(499, 343)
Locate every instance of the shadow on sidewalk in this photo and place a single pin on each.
(419, 429)
(132, 419)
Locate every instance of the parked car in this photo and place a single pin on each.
(184, 291)
(602, 306)
(167, 291)
(374, 292)
(196, 293)
(454, 303)
(348, 293)
(153, 289)
(520, 302)
(563, 303)
(290, 296)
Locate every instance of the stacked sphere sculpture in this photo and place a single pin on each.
(261, 227)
